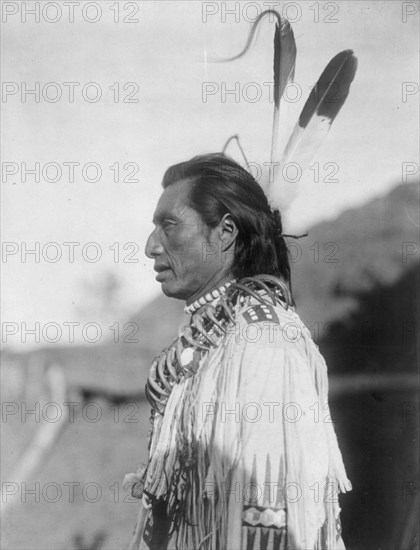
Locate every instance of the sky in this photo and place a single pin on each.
(127, 89)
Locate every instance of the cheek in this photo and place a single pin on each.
(194, 266)
(174, 249)
(190, 252)
(190, 260)
(187, 249)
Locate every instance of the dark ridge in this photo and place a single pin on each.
(379, 430)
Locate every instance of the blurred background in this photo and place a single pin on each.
(82, 316)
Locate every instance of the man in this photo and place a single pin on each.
(242, 452)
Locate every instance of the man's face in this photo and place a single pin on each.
(180, 245)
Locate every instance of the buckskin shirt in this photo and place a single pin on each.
(243, 454)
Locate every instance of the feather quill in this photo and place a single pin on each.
(320, 110)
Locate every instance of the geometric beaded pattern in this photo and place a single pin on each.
(256, 516)
(261, 312)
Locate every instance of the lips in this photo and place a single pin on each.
(161, 270)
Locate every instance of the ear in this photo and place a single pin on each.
(227, 232)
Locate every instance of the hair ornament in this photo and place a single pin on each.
(318, 114)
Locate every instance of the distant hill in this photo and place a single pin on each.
(363, 248)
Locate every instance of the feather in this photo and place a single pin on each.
(322, 106)
(283, 66)
(316, 118)
(284, 72)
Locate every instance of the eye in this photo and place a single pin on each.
(167, 224)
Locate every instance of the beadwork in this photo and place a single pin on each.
(207, 327)
(209, 297)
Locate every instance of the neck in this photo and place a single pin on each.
(214, 283)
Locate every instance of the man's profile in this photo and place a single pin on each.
(238, 457)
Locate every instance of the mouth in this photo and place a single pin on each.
(162, 271)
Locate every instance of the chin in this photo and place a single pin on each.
(172, 292)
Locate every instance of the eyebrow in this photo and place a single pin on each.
(161, 216)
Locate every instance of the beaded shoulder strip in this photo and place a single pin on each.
(207, 327)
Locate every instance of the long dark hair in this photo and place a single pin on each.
(219, 186)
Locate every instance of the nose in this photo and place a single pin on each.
(153, 245)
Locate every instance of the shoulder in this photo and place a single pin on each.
(269, 315)
(263, 299)
(271, 330)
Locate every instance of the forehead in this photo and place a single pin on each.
(174, 201)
